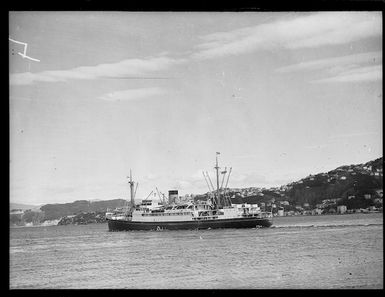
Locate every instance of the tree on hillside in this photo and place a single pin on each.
(33, 217)
(15, 219)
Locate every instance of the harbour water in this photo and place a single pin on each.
(302, 252)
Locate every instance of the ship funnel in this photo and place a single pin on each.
(172, 195)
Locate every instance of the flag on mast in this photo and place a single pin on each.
(218, 153)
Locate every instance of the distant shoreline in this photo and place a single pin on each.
(328, 214)
(274, 219)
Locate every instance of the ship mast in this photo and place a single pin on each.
(227, 182)
(131, 190)
(217, 169)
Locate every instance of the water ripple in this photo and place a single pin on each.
(313, 252)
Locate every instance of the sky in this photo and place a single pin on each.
(280, 95)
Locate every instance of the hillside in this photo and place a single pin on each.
(346, 181)
(56, 211)
(83, 210)
(342, 182)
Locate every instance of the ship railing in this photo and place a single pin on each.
(120, 218)
(179, 213)
(261, 215)
(205, 218)
(266, 214)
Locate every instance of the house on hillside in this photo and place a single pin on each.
(373, 208)
(341, 209)
(299, 208)
(364, 210)
(330, 201)
(317, 211)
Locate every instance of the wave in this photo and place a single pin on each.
(327, 225)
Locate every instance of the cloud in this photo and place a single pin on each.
(129, 67)
(246, 156)
(361, 74)
(348, 135)
(352, 68)
(132, 94)
(320, 29)
(317, 146)
(52, 190)
(335, 64)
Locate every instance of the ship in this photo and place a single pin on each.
(167, 214)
